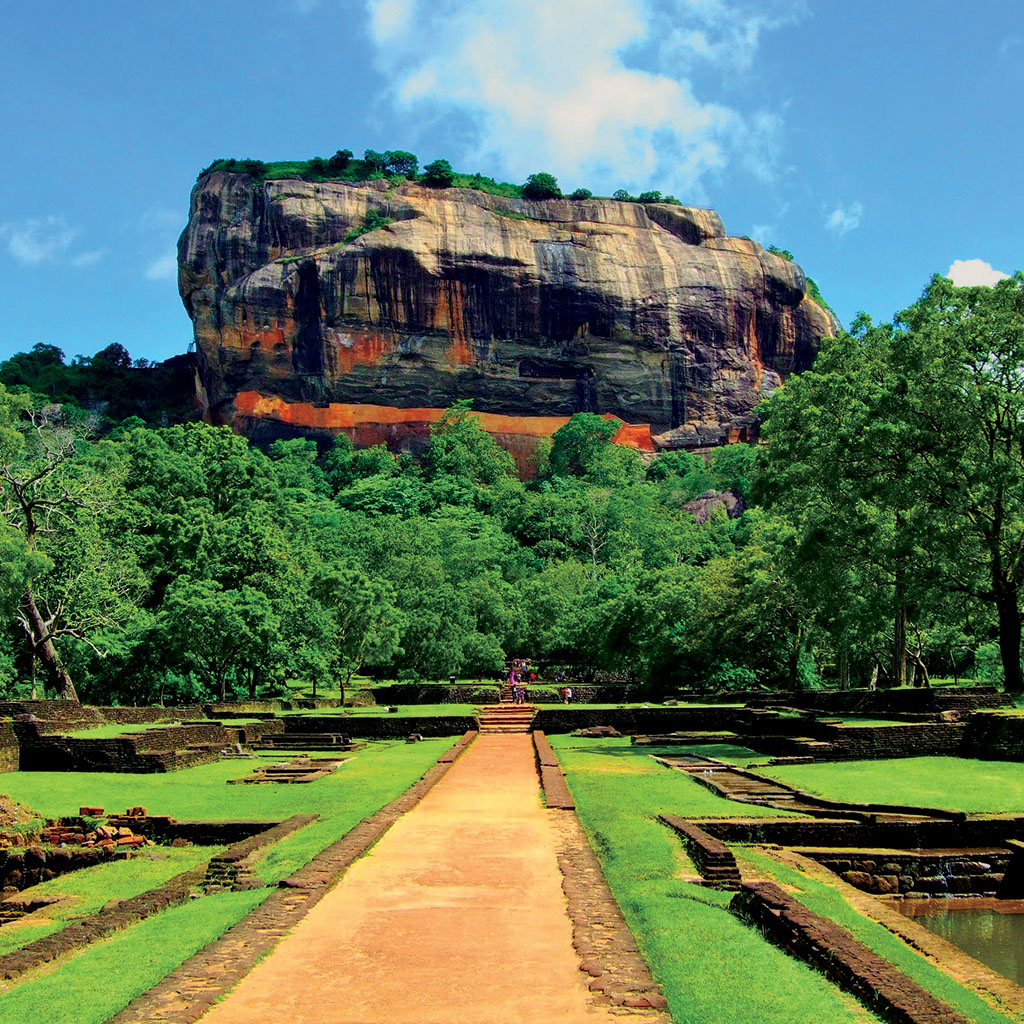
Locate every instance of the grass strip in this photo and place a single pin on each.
(84, 892)
(829, 902)
(952, 783)
(711, 967)
(94, 985)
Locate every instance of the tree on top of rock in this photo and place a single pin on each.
(438, 174)
(541, 186)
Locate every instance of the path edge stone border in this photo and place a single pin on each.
(601, 936)
(189, 991)
(842, 958)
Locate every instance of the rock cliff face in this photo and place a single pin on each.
(535, 310)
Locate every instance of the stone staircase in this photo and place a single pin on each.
(505, 717)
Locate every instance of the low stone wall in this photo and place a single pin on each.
(137, 716)
(10, 748)
(636, 720)
(878, 702)
(118, 754)
(23, 868)
(834, 832)
(164, 829)
(918, 739)
(379, 727)
(839, 956)
(992, 736)
(712, 858)
(552, 778)
(921, 873)
(233, 870)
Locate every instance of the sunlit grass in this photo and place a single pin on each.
(712, 968)
(953, 783)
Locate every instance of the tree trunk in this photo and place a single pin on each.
(844, 671)
(43, 648)
(873, 684)
(899, 644)
(1009, 640)
(794, 659)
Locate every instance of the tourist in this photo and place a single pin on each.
(568, 695)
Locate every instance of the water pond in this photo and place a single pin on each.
(991, 931)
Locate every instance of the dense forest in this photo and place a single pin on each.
(875, 535)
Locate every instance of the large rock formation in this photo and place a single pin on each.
(535, 310)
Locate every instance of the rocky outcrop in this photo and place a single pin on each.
(535, 310)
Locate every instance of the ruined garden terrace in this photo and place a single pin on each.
(854, 846)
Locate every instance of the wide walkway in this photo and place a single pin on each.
(457, 914)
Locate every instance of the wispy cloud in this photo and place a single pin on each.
(163, 268)
(38, 239)
(844, 219)
(159, 226)
(964, 273)
(593, 94)
(88, 259)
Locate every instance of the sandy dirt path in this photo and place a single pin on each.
(457, 914)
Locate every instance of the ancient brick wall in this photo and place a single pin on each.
(138, 716)
(22, 868)
(920, 872)
(914, 739)
(380, 727)
(994, 737)
(10, 749)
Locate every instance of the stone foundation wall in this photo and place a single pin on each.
(918, 739)
(120, 754)
(138, 716)
(384, 727)
(994, 737)
(636, 720)
(879, 702)
(23, 868)
(10, 749)
(921, 873)
(831, 832)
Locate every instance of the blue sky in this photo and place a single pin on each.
(879, 141)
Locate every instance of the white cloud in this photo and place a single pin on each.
(964, 273)
(844, 219)
(87, 259)
(548, 86)
(39, 239)
(164, 268)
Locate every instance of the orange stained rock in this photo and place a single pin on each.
(457, 914)
(343, 416)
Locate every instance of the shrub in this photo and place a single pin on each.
(623, 196)
(541, 186)
(649, 197)
(398, 161)
(438, 174)
(339, 161)
(582, 193)
(372, 220)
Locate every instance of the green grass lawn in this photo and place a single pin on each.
(712, 968)
(112, 729)
(369, 779)
(94, 985)
(84, 892)
(953, 783)
(825, 900)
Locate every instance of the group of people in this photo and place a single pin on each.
(521, 673)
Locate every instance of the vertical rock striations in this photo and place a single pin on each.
(535, 310)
